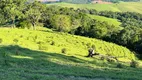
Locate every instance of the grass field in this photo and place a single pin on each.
(120, 7)
(110, 21)
(36, 55)
(54, 42)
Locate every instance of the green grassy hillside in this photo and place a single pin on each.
(99, 7)
(110, 21)
(36, 55)
(54, 42)
(130, 6)
(119, 7)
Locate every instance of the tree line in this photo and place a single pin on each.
(23, 14)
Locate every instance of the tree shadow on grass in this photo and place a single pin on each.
(30, 64)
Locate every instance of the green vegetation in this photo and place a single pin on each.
(89, 1)
(48, 63)
(61, 23)
(130, 6)
(119, 7)
(110, 21)
(76, 21)
(48, 48)
(117, 1)
(76, 1)
(55, 42)
(99, 7)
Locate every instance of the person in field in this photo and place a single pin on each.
(91, 52)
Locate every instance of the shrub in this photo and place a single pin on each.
(88, 45)
(102, 58)
(110, 60)
(53, 43)
(15, 40)
(35, 38)
(83, 43)
(64, 50)
(93, 46)
(40, 42)
(21, 36)
(25, 24)
(43, 47)
(134, 64)
(119, 65)
(0, 40)
(28, 38)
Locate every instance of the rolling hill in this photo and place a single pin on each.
(75, 45)
(32, 55)
(110, 21)
(29, 51)
(118, 7)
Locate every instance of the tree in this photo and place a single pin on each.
(12, 10)
(129, 36)
(98, 31)
(61, 23)
(2, 20)
(34, 12)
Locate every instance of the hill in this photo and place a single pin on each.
(32, 55)
(118, 7)
(89, 1)
(54, 42)
(110, 21)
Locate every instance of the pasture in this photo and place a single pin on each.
(37, 55)
(117, 7)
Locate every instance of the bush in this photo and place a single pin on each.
(21, 36)
(102, 58)
(39, 42)
(64, 50)
(110, 60)
(43, 47)
(25, 24)
(119, 65)
(15, 40)
(0, 40)
(35, 38)
(53, 43)
(134, 64)
(88, 45)
(93, 46)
